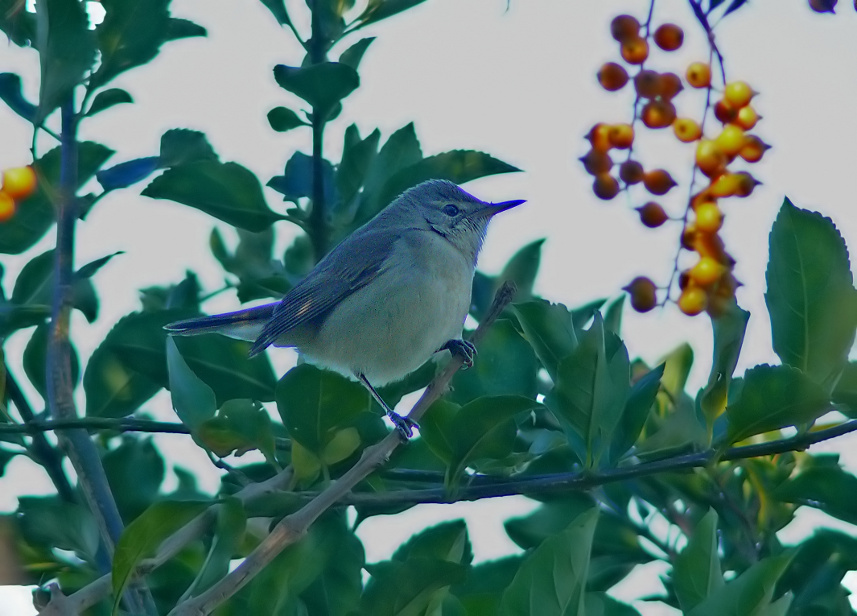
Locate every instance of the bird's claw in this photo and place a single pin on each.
(463, 349)
(404, 425)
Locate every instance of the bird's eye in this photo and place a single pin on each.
(450, 210)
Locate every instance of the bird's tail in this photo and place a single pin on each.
(244, 324)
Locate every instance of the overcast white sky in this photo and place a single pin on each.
(517, 83)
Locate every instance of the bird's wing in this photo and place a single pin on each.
(350, 266)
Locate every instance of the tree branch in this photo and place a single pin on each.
(291, 528)
(319, 235)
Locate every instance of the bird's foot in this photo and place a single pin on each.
(404, 425)
(462, 348)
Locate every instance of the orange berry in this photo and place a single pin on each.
(634, 50)
(19, 182)
(621, 136)
(746, 117)
(746, 184)
(652, 215)
(624, 27)
(753, 149)
(823, 6)
(605, 186)
(698, 75)
(725, 185)
(669, 37)
(599, 137)
(670, 85)
(647, 84)
(612, 77)
(643, 294)
(686, 130)
(658, 114)
(710, 158)
(7, 206)
(692, 300)
(706, 272)
(709, 218)
(738, 93)
(730, 140)
(596, 161)
(658, 181)
(631, 172)
(725, 112)
(710, 245)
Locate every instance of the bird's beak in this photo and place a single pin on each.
(491, 209)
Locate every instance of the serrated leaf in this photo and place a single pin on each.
(321, 85)
(592, 386)
(193, 400)
(37, 213)
(549, 330)
(297, 179)
(227, 191)
(283, 119)
(108, 98)
(697, 573)
(66, 51)
(143, 536)
(12, 94)
(810, 296)
(552, 580)
(774, 397)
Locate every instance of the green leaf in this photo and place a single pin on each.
(354, 54)
(593, 384)
(445, 541)
(135, 471)
(549, 330)
(132, 34)
(552, 580)
(193, 400)
(182, 145)
(321, 85)
(637, 408)
(505, 365)
(282, 119)
(810, 297)
(35, 360)
(828, 488)
(845, 393)
(774, 397)
(66, 51)
(401, 150)
(697, 573)
(108, 98)
(356, 161)
(36, 213)
(729, 331)
(112, 388)
(480, 593)
(458, 166)
(53, 524)
(228, 534)
(602, 604)
(481, 430)
(278, 9)
(750, 594)
(227, 191)
(182, 28)
(377, 10)
(522, 269)
(18, 23)
(529, 531)
(143, 536)
(677, 365)
(416, 586)
(11, 93)
(314, 404)
(240, 425)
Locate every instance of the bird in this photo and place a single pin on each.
(385, 299)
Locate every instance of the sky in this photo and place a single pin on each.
(516, 80)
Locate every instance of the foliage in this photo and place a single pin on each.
(554, 405)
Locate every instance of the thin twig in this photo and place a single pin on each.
(291, 528)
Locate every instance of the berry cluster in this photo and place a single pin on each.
(18, 184)
(709, 284)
